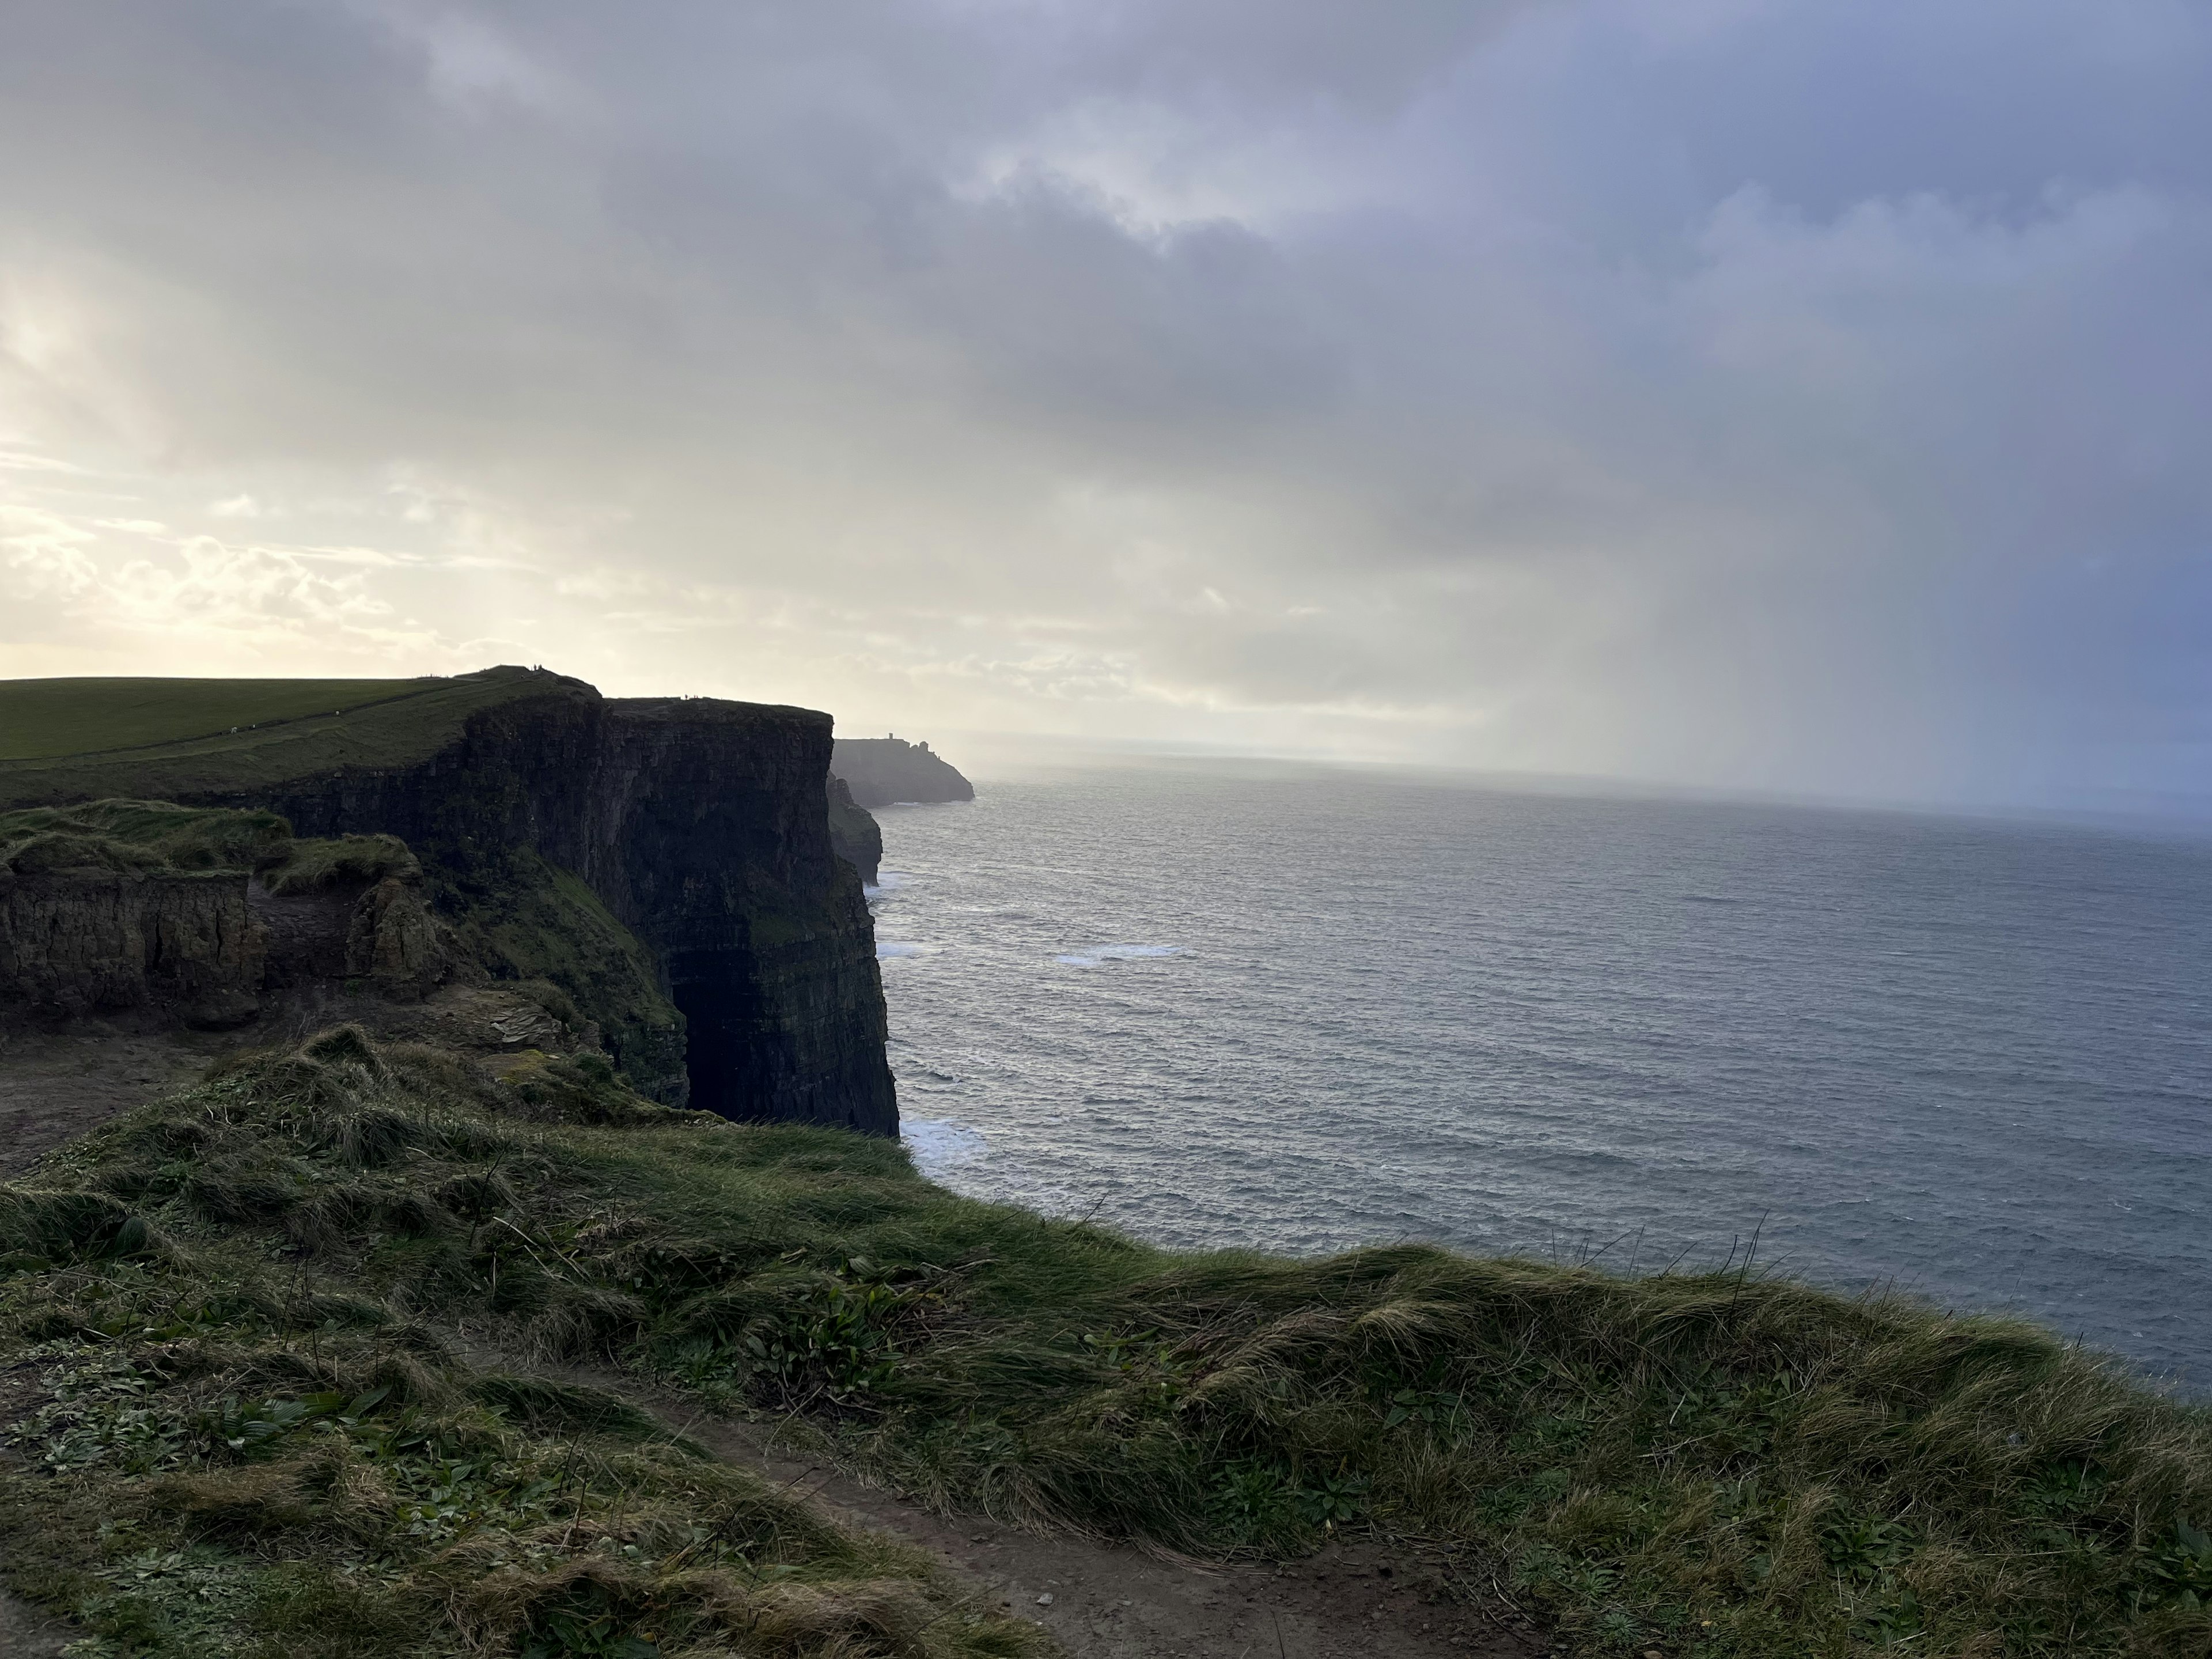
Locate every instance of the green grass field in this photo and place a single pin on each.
(1715, 1466)
(40, 720)
(89, 739)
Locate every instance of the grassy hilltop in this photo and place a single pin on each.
(253, 1433)
(40, 720)
(156, 739)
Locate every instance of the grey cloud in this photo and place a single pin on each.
(1744, 392)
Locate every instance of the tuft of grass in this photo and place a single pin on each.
(139, 835)
(1714, 1465)
(309, 867)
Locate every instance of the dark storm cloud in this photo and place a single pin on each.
(1744, 392)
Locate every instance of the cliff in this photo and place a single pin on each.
(884, 771)
(77, 941)
(124, 905)
(854, 836)
(667, 863)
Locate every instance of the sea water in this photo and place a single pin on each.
(1304, 1009)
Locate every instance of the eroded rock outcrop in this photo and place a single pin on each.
(124, 905)
(667, 863)
(394, 943)
(854, 836)
(87, 941)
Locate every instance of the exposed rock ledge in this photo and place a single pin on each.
(666, 862)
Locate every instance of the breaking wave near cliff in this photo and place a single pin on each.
(1305, 1009)
(1096, 955)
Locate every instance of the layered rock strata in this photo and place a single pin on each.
(667, 862)
(79, 942)
(205, 946)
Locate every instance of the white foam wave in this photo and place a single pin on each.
(939, 1143)
(898, 950)
(887, 881)
(1091, 955)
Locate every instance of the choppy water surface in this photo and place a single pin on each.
(1306, 1010)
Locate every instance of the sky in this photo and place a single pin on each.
(1746, 394)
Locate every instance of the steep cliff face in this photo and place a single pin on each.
(883, 771)
(700, 827)
(125, 905)
(854, 836)
(91, 940)
(708, 837)
(668, 863)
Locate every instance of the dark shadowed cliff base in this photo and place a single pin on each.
(667, 863)
(854, 836)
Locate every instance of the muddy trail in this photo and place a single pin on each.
(55, 1086)
(1360, 1600)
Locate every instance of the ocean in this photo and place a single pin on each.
(1304, 1008)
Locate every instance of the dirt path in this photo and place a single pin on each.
(26, 1633)
(55, 1086)
(1111, 1601)
(52, 1088)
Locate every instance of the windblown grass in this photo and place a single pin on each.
(225, 1445)
(139, 834)
(1713, 1465)
(310, 865)
(155, 835)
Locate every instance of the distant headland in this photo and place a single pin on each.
(887, 771)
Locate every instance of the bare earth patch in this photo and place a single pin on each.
(1108, 1602)
(25, 1633)
(55, 1086)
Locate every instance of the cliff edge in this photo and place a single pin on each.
(665, 862)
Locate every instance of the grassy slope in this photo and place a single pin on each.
(1718, 1466)
(408, 720)
(233, 1447)
(128, 835)
(42, 719)
(529, 920)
